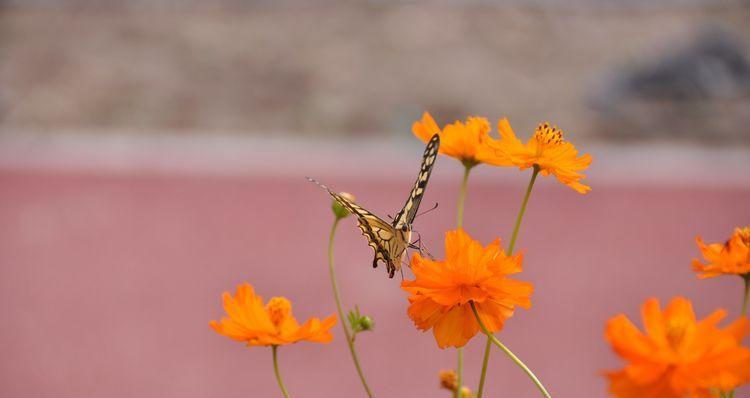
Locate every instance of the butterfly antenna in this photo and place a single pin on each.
(427, 211)
(323, 186)
(314, 181)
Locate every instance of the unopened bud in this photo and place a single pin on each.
(338, 209)
(449, 381)
(366, 323)
(358, 322)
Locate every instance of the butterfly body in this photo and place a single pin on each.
(390, 240)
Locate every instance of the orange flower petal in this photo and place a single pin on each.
(456, 327)
(463, 141)
(730, 258)
(425, 128)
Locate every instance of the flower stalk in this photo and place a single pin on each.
(284, 392)
(522, 211)
(459, 224)
(462, 195)
(337, 297)
(485, 361)
(746, 278)
(510, 354)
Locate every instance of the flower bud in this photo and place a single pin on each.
(366, 323)
(359, 322)
(340, 211)
(449, 381)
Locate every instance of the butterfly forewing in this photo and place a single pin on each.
(409, 211)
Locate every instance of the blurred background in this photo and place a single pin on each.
(152, 156)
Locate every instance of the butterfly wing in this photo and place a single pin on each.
(387, 243)
(406, 216)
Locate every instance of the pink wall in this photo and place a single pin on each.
(108, 282)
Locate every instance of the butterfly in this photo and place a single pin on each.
(390, 241)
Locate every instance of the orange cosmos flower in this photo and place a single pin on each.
(732, 257)
(273, 324)
(465, 142)
(440, 294)
(677, 356)
(546, 149)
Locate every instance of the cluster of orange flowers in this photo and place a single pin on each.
(675, 356)
(471, 143)
(440, 294)
(678, 356)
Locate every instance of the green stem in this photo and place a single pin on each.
(459, 371)
(745, 297)
(511, 246)
(485, 361)
(274, 348)
(521, 212)
(510, 354)
(459, 224)
(462, 196)
(342, 319)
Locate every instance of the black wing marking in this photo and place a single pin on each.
(387, 247)
(409, 211)
(381, 236)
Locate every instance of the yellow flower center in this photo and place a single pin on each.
(548, 135)
(676, 328)
(279, 309)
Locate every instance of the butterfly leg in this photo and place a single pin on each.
(421, 246)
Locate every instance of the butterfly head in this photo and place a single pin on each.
(403, 228)
(405, 231)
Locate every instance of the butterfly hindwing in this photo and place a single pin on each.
(381, 236)
(409, 211)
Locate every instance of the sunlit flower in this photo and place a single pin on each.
(546, 149)
(273, 324)
(466, 142)
(732, 257)
(677, 356)
(441, 291)
(449, 381)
